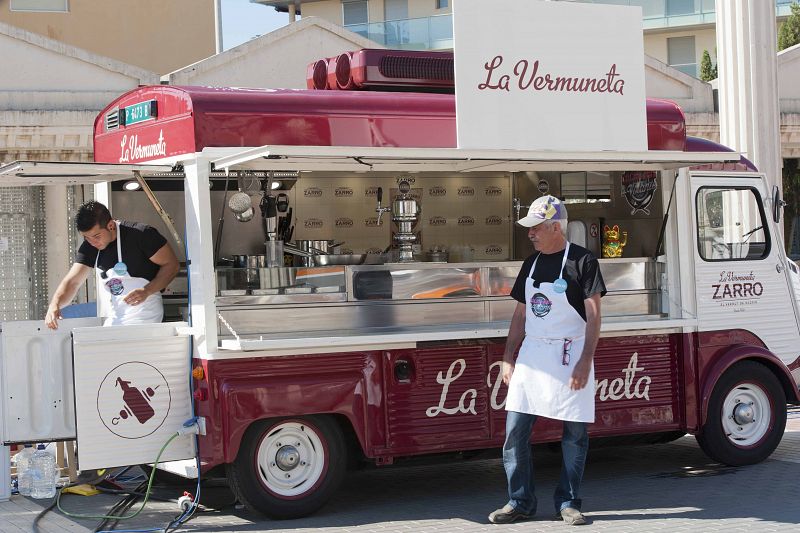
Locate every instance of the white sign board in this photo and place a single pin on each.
(535, 75)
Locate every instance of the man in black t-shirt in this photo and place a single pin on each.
(557, 324)
(135, 263)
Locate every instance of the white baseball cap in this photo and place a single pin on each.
(544, 208)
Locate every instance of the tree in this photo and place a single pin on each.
(789, 34)
(708, 70)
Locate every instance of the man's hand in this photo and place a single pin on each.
(580, 375)
(507, 369)
(136, 296)
(53, 316)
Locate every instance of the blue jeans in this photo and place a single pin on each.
(519, 467)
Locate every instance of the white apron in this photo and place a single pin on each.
(117, 285)
(540, 382)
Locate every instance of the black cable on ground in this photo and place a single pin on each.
(41, 515)
(120, 508)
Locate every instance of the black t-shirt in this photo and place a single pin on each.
(139, 243)
(582, 274)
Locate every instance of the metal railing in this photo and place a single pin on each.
(426, 33)
(677, 13)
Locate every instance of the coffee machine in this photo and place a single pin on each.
(405, 211)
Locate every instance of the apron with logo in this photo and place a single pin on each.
(118, 284)
(554, 339)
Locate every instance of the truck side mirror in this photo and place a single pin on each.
(777, 204)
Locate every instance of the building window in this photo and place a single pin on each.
(355, 12)
(42, 6)
(731, 225)
(681, 54)
(395, 9)
(441, 4)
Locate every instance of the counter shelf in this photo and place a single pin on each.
(400, 299)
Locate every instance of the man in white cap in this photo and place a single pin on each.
(557, 321)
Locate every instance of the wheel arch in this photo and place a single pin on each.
(736, 355)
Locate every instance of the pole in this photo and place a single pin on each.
(218, 25)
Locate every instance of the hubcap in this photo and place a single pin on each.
(287, 458)
(291, 459)
(746, 414)
(743, 414)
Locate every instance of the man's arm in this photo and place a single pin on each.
(580, 375)
(168, 269)
(516, 333)
(65, 292)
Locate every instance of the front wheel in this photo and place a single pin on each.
(289, 468)
(746, 416)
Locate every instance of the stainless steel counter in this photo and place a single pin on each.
(366, 299)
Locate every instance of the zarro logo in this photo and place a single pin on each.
(493, 191)
(494, 220)
(344, 222)
(466, 191)
(437, 191)
(437, 221)
(343, 192)
(494, 249)
(313, 223)
(371, 222)
(312, 192)
(371, 191)
(466, 220)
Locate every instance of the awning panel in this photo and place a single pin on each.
(29, 173)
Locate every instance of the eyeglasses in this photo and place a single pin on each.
(565, 354)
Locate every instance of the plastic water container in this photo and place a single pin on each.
(23, 459)
(43, 474)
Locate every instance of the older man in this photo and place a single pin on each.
(557, 320)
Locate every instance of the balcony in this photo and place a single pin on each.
(664, 14)
(427, 33)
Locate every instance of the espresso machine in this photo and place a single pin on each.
(405, 211)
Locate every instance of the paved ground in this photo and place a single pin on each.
(671, 487)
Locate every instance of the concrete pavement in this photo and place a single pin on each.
(671, 487)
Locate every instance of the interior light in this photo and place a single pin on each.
(131, 185)
(275, 185)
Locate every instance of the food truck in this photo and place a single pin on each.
(377, 334)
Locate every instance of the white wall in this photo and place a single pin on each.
(275, 60)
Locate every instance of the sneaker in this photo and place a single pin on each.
(572, 516)
(506, 515)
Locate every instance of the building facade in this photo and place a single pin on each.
(178, 32)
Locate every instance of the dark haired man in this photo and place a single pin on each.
(135, 264)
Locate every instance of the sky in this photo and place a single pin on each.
(242, 20)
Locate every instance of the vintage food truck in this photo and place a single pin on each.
(389, 345)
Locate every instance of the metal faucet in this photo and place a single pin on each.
(516, 206)
(380, 209)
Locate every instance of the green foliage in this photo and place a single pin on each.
(789, 34)
(708, 70)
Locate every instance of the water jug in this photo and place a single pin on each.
(43, 474)
(23, 459)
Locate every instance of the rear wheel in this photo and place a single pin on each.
(288, 468)
(746, 416)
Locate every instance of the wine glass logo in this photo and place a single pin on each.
(133, 400)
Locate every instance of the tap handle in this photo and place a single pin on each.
(379, 209)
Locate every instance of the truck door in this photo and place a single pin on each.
(739, 262)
